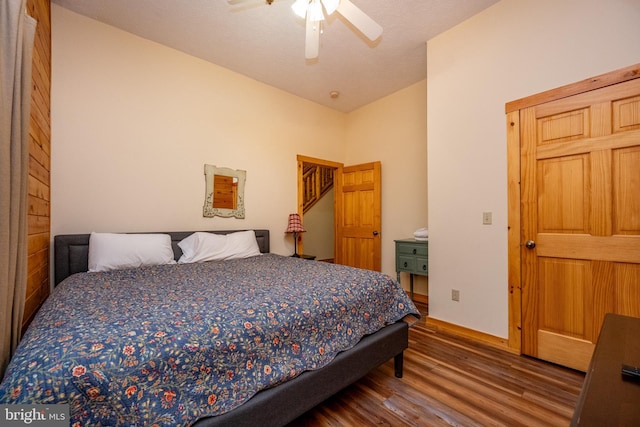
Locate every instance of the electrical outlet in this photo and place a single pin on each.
(455, 295)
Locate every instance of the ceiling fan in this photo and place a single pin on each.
(314, 13)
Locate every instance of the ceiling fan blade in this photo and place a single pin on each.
(312, 40)
(360, 20)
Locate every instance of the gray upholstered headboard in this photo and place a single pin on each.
(71, 251)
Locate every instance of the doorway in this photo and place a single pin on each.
(574, 215)
(357, 208)
(316, 206)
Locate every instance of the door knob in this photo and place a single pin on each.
(530, 244)
(375, 233)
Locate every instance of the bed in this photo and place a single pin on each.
(204, 343)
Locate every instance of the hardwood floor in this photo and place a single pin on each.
(453, 381)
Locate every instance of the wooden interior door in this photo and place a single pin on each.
(580, 219)
(358, 219)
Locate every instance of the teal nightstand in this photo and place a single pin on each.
(412, 256)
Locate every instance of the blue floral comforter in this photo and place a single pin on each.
(169, 344)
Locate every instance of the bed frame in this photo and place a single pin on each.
(281, 404)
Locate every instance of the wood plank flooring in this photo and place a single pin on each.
(453, 381)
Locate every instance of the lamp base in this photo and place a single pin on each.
(295, 245)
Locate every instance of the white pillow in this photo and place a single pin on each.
(200, 246)
(112, 251)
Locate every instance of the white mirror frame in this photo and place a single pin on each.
(208, 210)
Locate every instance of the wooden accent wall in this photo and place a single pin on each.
(39, 216)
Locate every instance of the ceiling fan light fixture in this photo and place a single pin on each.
(300, 8)
(315, 11)
(330, 6)
(313, 8)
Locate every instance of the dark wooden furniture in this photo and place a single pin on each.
(412, 256)
(607, 399)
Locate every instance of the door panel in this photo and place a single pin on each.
(561, 210)
(626, 190)
(358, 204)
(567, 281)
(627, 290)
(580, 204)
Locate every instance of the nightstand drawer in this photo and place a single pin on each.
(416, 265)
(405, 263)
(422, 266)
(409, 248)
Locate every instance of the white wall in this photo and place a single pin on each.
(134, 122)
(394, 131)
(514, 49)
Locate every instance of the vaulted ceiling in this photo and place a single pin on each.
(267, 42)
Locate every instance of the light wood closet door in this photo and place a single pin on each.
(580, 195)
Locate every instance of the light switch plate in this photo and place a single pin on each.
(487, 218)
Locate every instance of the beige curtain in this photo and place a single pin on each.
(17, 31)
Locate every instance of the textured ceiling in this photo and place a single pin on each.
(266, 42)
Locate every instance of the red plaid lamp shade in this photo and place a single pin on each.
(295, 224)
(295, 227)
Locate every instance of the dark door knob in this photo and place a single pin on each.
(530, 244)
(375, 233)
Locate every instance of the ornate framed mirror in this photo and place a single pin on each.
(224, 192)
